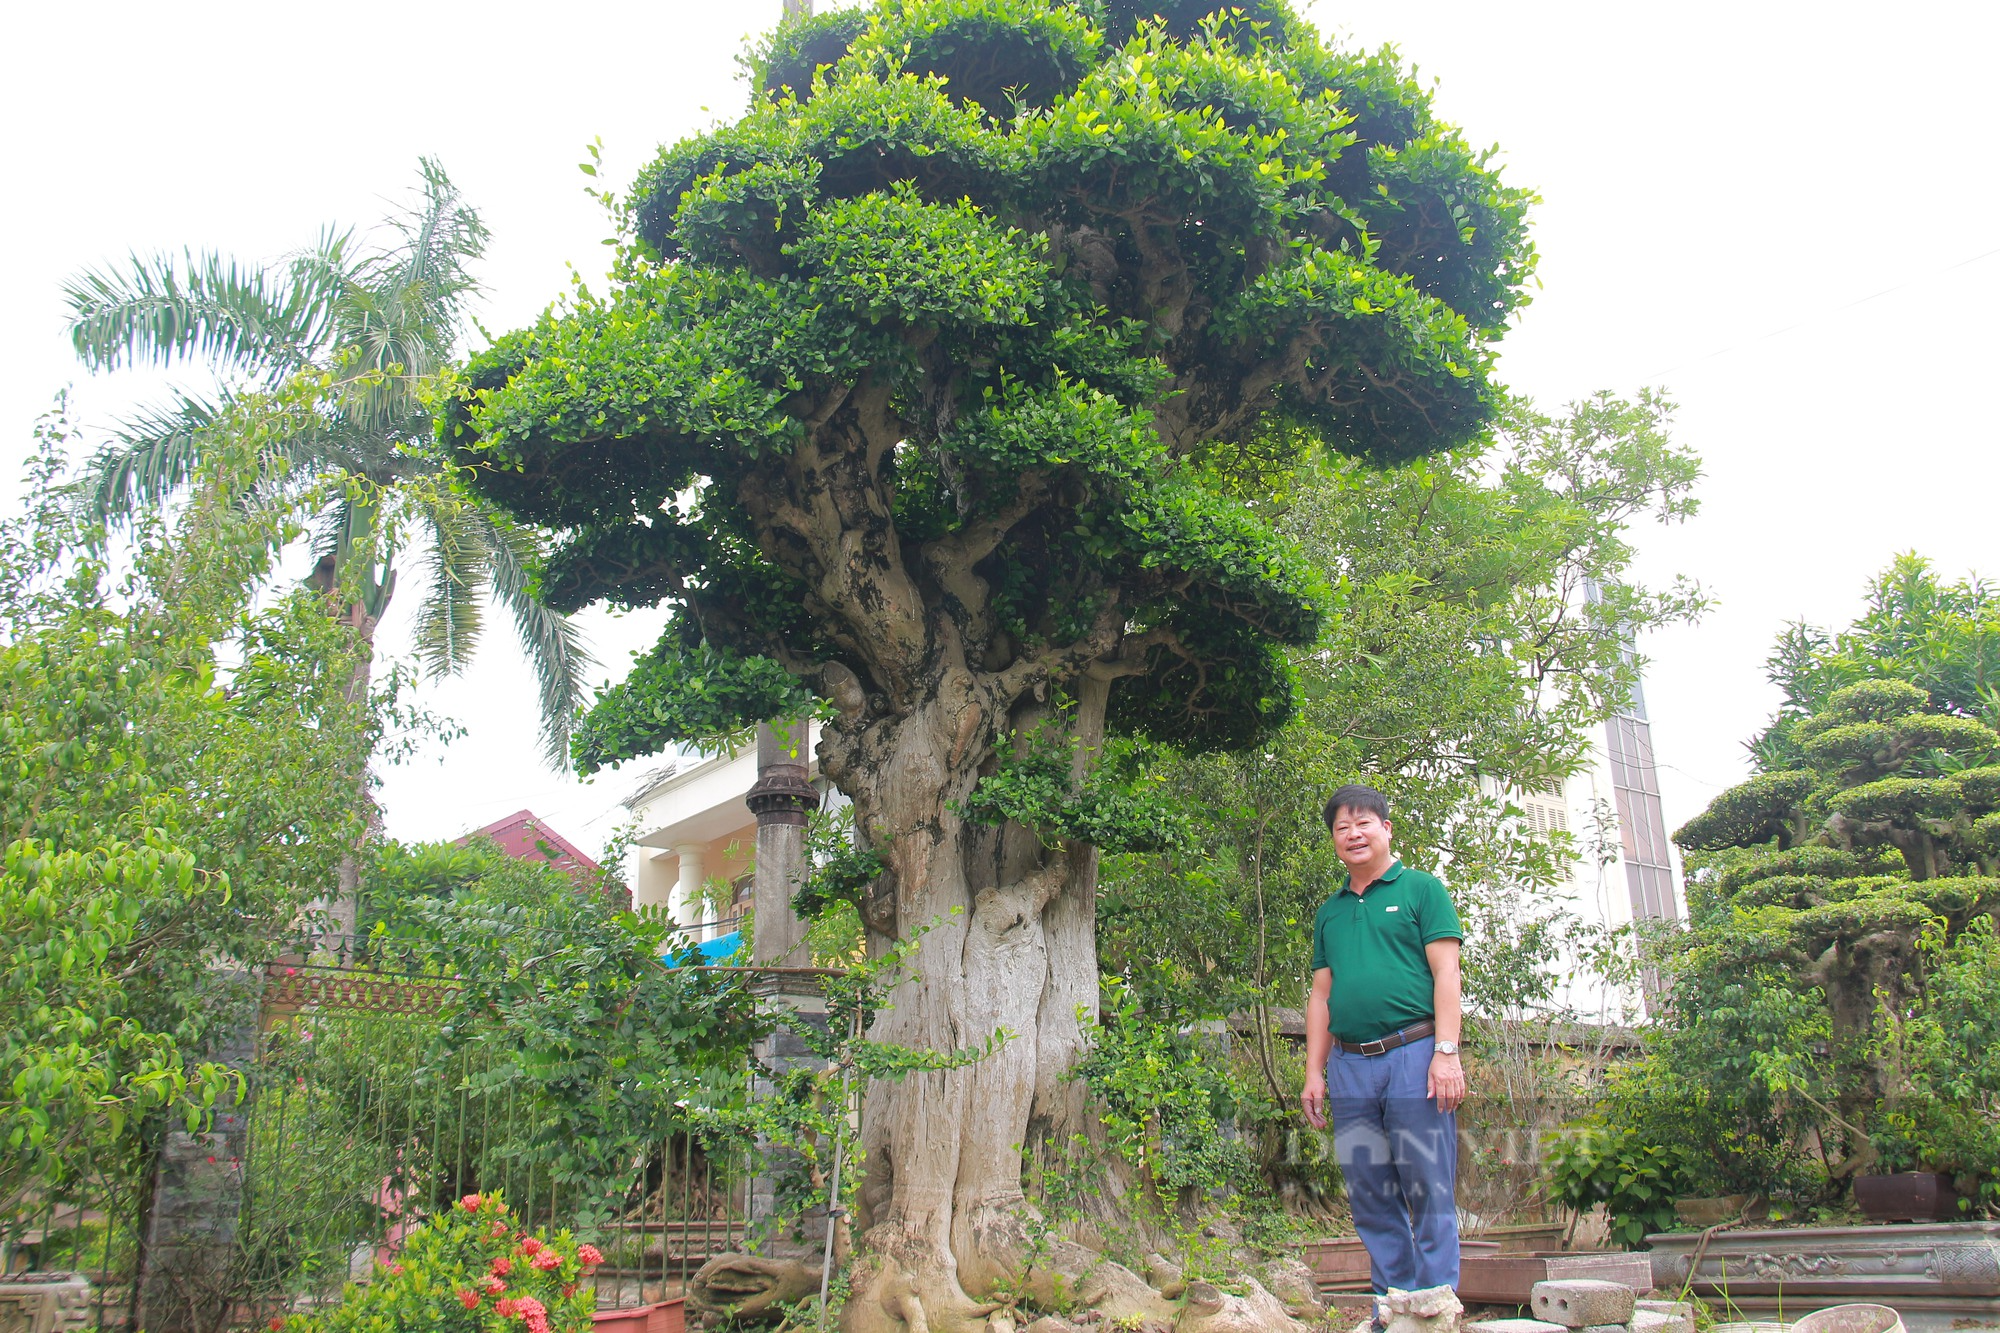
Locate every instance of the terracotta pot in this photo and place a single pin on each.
(1341, 1264)
(1851, 1319)
(1907, 1196)
(660, 1317)
(1708, 1212)
(1524, 1237)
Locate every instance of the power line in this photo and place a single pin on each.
(1813, 319)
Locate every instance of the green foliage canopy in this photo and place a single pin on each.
(1467, 665)
(942, 348)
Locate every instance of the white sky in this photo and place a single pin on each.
(1785, 213)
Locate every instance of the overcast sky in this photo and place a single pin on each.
(1788, 215)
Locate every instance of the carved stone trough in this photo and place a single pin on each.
(1937, 1275)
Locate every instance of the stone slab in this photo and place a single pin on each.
(1813, 1266)
(1513, 1326)
(1582, 1302)
(1509, 1279)
(1660, 1321)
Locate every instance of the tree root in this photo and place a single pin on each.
(902, 1292)
(1210, 1309)
(748, 1287)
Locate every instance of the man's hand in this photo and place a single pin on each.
(1313, 1100)
(1446, 1084)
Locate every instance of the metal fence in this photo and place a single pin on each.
(357, 1124)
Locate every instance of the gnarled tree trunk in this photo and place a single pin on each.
(1007, 943)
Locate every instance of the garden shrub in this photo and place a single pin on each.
(469, 1268)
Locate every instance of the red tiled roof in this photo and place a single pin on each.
(523, 835)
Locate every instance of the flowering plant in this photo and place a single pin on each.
(469, 1269)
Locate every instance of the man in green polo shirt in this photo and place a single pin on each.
(1382, 1029)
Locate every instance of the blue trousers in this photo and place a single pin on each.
(1399, 1155)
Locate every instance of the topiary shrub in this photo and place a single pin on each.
(469, 1268)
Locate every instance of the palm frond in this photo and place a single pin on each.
(415, 293)
(157, 310)
(553, 643)
(332, 533)
(154, 454)
(449, 621)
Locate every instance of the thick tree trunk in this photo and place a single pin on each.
(1006, 942)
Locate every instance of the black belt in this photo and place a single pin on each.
(1382, 1046)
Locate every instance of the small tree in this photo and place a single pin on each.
(177, 781)
(933, 394)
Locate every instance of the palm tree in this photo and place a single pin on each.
(375, 324)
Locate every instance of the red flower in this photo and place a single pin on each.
(569, 1291)
(502, 1265)
(505, 1309)
(589, 1254)
(468, 1299)
(395, 1270)
(546, 1260)
(277, 1322)
(499, 1229)
(470, 1203)
(530, 1245)
(492, 1285)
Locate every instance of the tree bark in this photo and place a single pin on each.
(1006, 942)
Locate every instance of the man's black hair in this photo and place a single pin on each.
(1356, 797)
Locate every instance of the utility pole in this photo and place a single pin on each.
(798, 9)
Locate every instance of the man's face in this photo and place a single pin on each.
(1360, 837)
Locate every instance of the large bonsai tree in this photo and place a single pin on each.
(929, 394)
(1868, 843)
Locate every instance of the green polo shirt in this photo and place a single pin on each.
(1373, 943)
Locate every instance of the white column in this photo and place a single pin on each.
(653, 886)
(685, 910)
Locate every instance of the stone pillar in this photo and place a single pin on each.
(781, 800)
(804, 1236)
(687, 892)
(185, 1279)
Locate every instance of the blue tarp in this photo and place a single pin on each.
(710, 951)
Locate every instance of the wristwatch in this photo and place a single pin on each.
(1447, 1048)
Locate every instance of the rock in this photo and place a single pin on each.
(1604, 1328)
(1048, 1323)
(1292, 1283)
(1513, 1326)
(1660, 1321)
(1165, 1274)
(1428, 1310)
(1001, 1322)
(1583, 1302)
(1210, 1309)
(1424, 1303)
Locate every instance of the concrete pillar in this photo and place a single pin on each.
(781, 800)
(687, 891)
